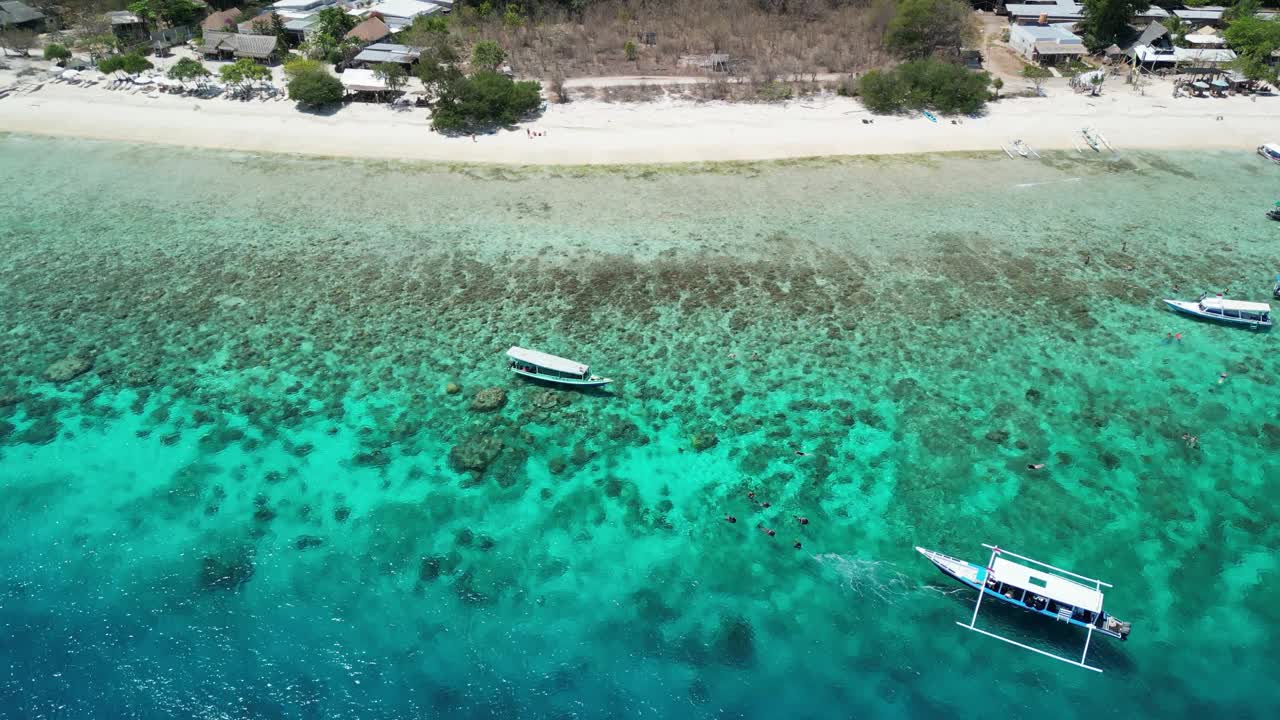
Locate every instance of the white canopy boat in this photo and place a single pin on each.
(1270, 151)
(541, 366)
(1253, 315)
(1036, 587)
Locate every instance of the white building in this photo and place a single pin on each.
(1048, 44)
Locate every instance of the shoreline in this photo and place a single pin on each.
(663, 132)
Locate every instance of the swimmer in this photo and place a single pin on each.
(1222, 378)
(766, 530)
(764, 504)
(730, 519)
(1178, 337)
(797, 545)
(733, 356)
(751, 494)
(801, 453)
(1036, 466)
(801, 520)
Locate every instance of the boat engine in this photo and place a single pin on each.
(1116, 626)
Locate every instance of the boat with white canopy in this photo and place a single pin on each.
(1253, 315)
(542, 366)
(1035, 587)
(1270, 151)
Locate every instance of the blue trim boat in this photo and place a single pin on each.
(542, 366)
(1255, 316)
(1044, 590)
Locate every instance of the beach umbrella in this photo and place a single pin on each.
(1200, 85)
(1220, 83)
(70, 74)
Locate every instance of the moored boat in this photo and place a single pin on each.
(1045, 590)
(1253, 315)
(1270, 151)
(542, 366)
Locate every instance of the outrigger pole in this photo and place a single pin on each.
(982, 590)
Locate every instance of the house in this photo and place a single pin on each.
(19, 15)
(399, 14)
(370, 31)
(262, 21)
(386, 52)
(127, 27)
(1207, 15)
(226, 45)
(1046, 44)
(221, 20)
(1044, 13)
(1155, 47)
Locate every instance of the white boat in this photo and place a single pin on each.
(1036, 587)
(1270, 151)
(1253, 315)
(541, 366)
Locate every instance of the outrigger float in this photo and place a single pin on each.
(1045, 590)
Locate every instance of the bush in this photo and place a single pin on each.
(315, 87)
(487, 55)
(925, 84)
(131, 63)
(297, 65)
(630, 51)
(187, 69)
(56, 52)
(482, 101)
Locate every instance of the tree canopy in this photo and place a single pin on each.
(1107, 21)
(925, 84)
(316, 87)
(393, 74)
(242, 70)
(131, 63)
(167, 12)
(187, 69)
(1254, 39)
(55, 52)
(923, 28)
(482, 101)
(334, 22)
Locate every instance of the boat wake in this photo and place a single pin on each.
(1046, 182)
(868, 578)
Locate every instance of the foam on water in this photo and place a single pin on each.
(261, 501)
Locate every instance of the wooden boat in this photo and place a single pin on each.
(541, 366)
(1045, 590)
(1270, 151)
(1255, 316)
(931, 116)
(1275, 290)
(1020, 147)
(1090, 139)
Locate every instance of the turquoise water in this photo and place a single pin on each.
(259, 499)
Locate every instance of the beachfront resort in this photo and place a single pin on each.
(474, 70)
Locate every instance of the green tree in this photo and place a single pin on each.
(297, 65)
(393, 74)
(1242, 9)
(630, 51)
(923, 28)
(487, 55)
(1254, 39)
(166, 12)
(187, 69)
(56, 52)
(97, 45)
(334, 23)
(131, 63)
(315, 87)
(998, 84)
(1107, 21)
(1037, 75)
(512, 17)
(925, 84)
(283, 38)
(243, 70)
(482, 101)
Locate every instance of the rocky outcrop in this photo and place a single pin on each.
(489, 399)
(475, 453)
(67, 368)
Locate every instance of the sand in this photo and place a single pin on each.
(669, 130)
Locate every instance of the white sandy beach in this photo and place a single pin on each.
(589, 132)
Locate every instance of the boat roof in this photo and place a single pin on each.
(1050, 585)
(1225, 304)
(1273, 147)
(543, 360)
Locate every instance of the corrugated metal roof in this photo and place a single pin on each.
(387, 52)
(1058, 48)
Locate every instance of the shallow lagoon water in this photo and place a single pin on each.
(260, 501)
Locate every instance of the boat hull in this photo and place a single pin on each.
(1193, 309)
(569, 382)
(975, 577)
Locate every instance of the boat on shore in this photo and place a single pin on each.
(1045, 590)
(1253, 315)
(1270, 151)
(542, 366)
